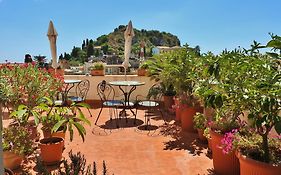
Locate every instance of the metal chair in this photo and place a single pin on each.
(81, 92)
(107, 95)
(151, 103)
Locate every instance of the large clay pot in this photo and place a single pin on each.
(178, 108)
(223, 163)
(201, 135)
(249, 166)
(51, 150)
(187, 114)
(168, 102)
(47, 134)
(12, 160)
(210, 143)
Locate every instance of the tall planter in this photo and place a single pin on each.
(51, 150)
(12, 160)
(187, 114)
(223, 163)
(168, 102)
(178, 109)
(249, 166)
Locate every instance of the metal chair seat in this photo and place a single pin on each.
(148, 103)
(76, 99)
(112, 103)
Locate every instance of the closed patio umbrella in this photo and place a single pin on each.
(128, 35)
(52, 35)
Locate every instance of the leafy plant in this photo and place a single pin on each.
(200, 121)
(17, 140)
(65, 117)
(26, 84)
(97, 66)
(76, 165)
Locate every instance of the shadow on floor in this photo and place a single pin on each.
(182, 140)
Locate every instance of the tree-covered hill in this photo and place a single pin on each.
(113, 43)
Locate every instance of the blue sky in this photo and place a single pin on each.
(212, 24)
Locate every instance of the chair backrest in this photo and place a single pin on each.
(82, 89)
(105, 91)
(155, 92)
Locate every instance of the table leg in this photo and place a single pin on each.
(127, 101)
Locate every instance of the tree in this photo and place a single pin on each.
(83, 45)
(104, 48)
(90, 50)
(61, 57)
(75, 51)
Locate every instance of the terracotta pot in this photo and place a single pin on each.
(142, 72)
(47, 134)
(97, 72)
(223, 163)
(8, 172)
(12, 160)
(51, 150)
(178, 109)
(168, 102)
(249, 166)
(210, 143)
(59, 134)
(187, 114)
(201, 135)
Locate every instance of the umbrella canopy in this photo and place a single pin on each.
(52, 35)
(128, 35)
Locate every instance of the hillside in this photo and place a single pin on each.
(113, 43)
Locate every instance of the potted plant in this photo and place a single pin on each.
(22, 86)
(16, 145)
(97, 69)
(142, 70)
(67, 118)
(258, 152)
(200, 123)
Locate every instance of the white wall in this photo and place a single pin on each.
(94, 80)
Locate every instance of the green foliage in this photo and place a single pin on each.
(251, 145)
(114, 43)
(69, 117)
(74, 166)
(90, 50)
(200, 121)
(17, 140)
(26, 84)
(97, 66)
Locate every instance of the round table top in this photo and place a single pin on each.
(72, 81)
(126, 83)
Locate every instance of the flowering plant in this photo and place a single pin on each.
(249, 143)
(27, 84)
(17, 140)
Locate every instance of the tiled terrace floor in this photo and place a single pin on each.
(130, 150)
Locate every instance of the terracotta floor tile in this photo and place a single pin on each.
(129, 150)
